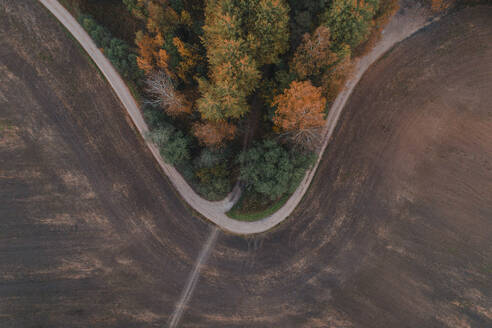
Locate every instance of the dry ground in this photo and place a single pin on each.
(91, 233)
(395, 231)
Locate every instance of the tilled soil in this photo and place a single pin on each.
(396, 230)
(91, 233)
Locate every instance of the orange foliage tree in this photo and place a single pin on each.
(314, 53)
(145, 49)
(300, 113)
(158, 44)
(151, 55)
(214, 134)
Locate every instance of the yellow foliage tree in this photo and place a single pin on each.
(188, 56)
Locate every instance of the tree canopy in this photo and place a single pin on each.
(266, 29)
(300, 112)
(350, 20)
(271, 170)
(214, 134)
(314, 53)
(219, 76)
(238, 39)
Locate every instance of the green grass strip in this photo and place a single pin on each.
(236, 214)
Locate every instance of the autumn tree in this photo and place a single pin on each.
(167, 42)
(214, 134)
(219, 101)
(300, 113)
(233, 77)
(266, 29)
(160, 85)
(189, 59)
(239, 37)
(233, 72)
(314, 53)
(350, 20)
(158, 15)
(333, 80)
(147, 50)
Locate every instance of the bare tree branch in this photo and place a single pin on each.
(161, 87)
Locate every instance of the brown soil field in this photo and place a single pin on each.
(91, 233)
(396, 230)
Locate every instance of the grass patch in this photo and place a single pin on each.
(242, 209)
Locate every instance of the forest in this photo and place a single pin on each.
(236, 90)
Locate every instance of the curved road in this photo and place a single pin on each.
(394, 231)
(404, 24)
(214, 211)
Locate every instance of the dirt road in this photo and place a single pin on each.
(214, 211)
(394, 232)
(409, 19)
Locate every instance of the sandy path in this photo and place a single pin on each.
(407, 21)
(207, 208)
